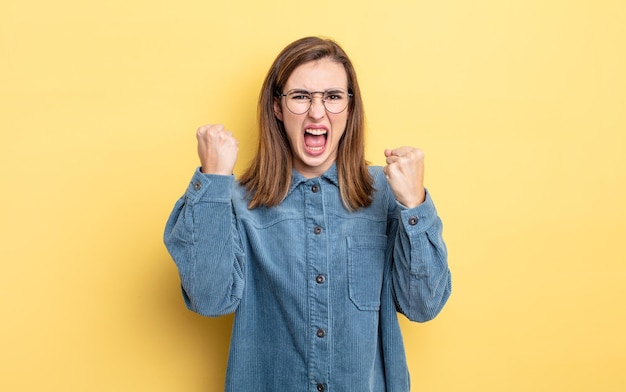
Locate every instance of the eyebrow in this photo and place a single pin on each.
(329, 90)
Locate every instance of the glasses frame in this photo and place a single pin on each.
(312, 94)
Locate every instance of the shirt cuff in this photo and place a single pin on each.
(419, 219)
(209, 187)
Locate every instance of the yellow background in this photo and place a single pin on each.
(519, 106)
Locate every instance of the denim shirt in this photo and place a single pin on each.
(316, 288)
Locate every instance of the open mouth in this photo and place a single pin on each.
(315, 140)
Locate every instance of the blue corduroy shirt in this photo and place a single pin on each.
(315, 288)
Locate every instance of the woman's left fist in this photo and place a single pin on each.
(405, 174)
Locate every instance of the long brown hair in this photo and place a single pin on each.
(268, 177)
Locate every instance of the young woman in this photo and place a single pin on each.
(312, 248)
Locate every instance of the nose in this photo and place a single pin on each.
(317, 109)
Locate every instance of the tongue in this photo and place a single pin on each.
(314, 140)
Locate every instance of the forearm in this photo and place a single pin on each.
(202, 239)
(422, 280)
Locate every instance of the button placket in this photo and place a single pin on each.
(318, 367)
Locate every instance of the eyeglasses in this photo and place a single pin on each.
(299, 101)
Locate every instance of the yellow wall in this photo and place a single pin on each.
(519, 105)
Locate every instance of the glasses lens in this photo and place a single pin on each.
(299, 101)
(335, 101)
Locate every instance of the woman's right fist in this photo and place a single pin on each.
(217, 149)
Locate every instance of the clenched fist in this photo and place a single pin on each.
(405, 174)
(217, 149)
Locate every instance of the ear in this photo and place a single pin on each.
(278, 110)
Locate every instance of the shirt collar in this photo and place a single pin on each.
(330, 175)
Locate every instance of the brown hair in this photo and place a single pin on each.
(268, 177)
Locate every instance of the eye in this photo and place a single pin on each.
(299, 96)
(334, 95)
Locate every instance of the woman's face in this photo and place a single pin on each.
(314, 135)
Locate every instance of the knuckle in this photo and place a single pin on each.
(201, 131)
(215, 129)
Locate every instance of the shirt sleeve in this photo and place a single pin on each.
(421, 277)
(201, 236)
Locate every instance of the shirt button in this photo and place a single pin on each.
(317, 230)
(315, 188)
(321, 333)
(320, 387)
(413, 220)
(197, 185)
(320, 279)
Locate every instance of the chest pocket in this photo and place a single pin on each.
(366, 265)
